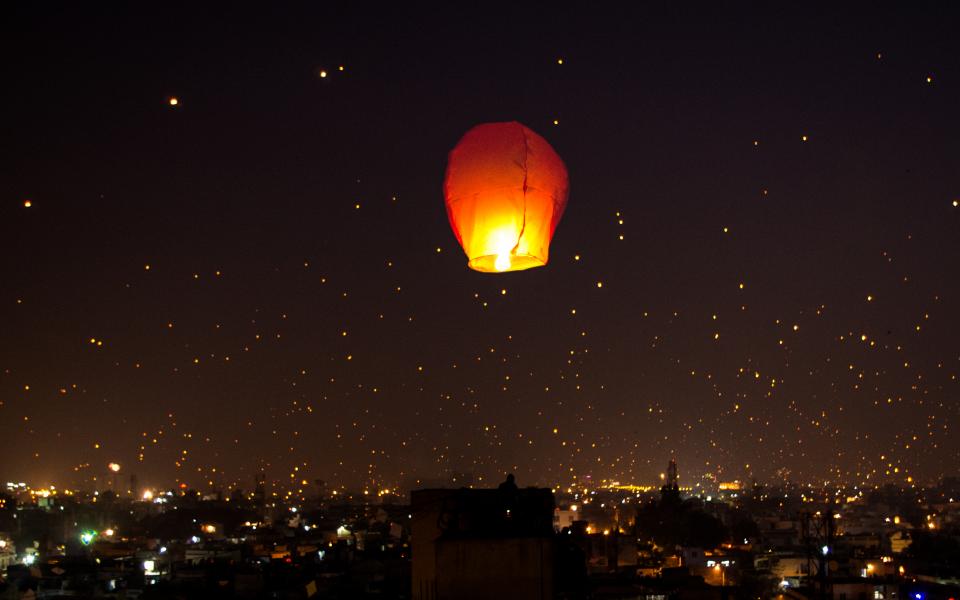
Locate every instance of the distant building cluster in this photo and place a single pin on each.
(457, 542)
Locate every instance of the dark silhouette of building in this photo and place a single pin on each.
(260, 491)
(670, 492)
(472, 544)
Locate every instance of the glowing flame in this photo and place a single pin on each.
(503, 240)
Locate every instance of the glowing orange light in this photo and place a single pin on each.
(28, 203)
(505, 190)
(174, 101)
(114, 467)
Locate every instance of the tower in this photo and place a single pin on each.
(259, 491)
(672, 475)
(670, 492)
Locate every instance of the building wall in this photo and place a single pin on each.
(784, 567)
(564, 518)
(424, 531)
(520, 568)
(482, 543)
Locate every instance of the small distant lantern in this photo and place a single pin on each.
(505, 192)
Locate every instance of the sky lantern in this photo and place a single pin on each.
(505, 191)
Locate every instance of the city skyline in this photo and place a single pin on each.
(226, 249)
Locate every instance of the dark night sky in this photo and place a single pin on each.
(297, 312)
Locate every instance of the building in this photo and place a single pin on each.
(488, 543)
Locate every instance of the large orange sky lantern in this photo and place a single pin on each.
(505, 191)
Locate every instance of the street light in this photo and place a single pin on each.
(723, 574)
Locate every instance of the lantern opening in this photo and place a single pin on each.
(498, 263)
(509, 252)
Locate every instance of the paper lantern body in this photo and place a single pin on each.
(505, 191)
